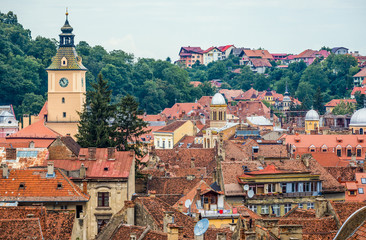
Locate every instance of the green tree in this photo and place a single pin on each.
(318, 103)
(129, 126)
(360, 98)
(94, 127)
(344, 108)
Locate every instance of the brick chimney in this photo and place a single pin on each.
(130, 205)
(92, 153)
(174, 231)
(192, 162)
(321, 207)
(168, 219)
(82, 171)
(50, 169)
(111, 153)
(11, 154)
(5, 168)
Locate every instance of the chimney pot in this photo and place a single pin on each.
(82, 171)
(50, 169)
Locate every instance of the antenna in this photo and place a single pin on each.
(250, 193)
(187, 203)
(201, 227)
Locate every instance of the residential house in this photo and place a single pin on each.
(107, 175)
(212, 54)
(258, 54)
(334, 102)
(339, 50)
(226, 51)
(230, 95)
(345, 146)
(8, 121)
(359, 79)
(190, 55)
(361, 89)
(259, 65)
(308, 56)
(166, 137)
(355, 190)
(279, 56)
(239, 52)
(183, 110)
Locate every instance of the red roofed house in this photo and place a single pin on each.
(359, 79)
(308, 56)
(45, 186)
(250, 54)
(334, 102)
(180, 110)
(107, 175)
(259, 65)
(362, 90)
(189, 55)
(356, 189)
(226, 50)
(212, 54)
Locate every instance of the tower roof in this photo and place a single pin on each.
(218, 99)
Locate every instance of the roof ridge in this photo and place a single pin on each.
(72, 184)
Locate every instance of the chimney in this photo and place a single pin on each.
(168, 219)
(320, 207)
(50, 169)
(130, 205)
(180, 206)
(92, 152)
(192, 162)
(11, 154)
(82, 170)
(85, 187)
(221, 236)
(111, 153)
(174, 231)
(4, 166)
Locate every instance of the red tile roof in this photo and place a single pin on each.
(258, 53)
(359, 233)
(123, 232)
(345, 209)
(101, 167)
(335, 102)
(306, 54)
(171, 127)
(179, 110)
(259, 62)
(153, 118)
(191, 50)
(224, 48)
(195, 83)
(362, 90)
(38, 187)
(210, 49)
(230, 94)
(361, 73)
(247, 95)
(329, 159)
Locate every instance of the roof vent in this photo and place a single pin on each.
(106, 169)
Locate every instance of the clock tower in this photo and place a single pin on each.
(66, 85)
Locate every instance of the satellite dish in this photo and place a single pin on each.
(250, 193)
(201, 227)
(246, 187)
(187, 203)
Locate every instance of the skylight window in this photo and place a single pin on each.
(27, 154)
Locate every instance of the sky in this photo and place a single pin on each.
(159, 28)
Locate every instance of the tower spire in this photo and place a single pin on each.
(67, 14)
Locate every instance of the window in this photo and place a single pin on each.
(339, 152)
(301, 206)
(253, 208)
(22, 186)
(163, 144)
(103, 199)
(287, 207)
(358, 152)
(63, 207)
(59, 185)
(64, 114)
(276, 209)
(311, 205)
(79, 209)
(360, 190)
(352, 192)
(307, 187)
(63, 100)
(312, 150)
(101, 224)
(349, 152)
(264, 209)
(361, 130)
(363, 180)
(271, 188)
(324, 149)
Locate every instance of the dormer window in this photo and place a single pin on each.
(64, 62)
(22, 186)
(59, 185)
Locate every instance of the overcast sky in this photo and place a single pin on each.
(158, 28)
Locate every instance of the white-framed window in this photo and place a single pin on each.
(311, 205)
(360, 190)
(253, 208)
(287, 207)
(271, 188)
(307, 186)
(276, 209)
(301, 206)
(264, 209)
(363, 180)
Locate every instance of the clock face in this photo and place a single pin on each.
(64, 82)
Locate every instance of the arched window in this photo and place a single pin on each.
(63, 100)
(361, 130)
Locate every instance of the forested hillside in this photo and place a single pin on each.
(157, 84)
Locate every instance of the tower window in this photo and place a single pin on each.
(64, 114)
(63, 100)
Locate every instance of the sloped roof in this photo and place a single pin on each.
(210, 49)
(224, 48)
(345, 209)
(101, 167)
(247, 94)
(71, 144)
(335, 102)
(258, 53)
(362, 90)
(38, 187)
(361, 73)
(20, 229)
(306, 53)
(230, 94)
(171, 127)
(260, 62)
(178, 110)
(329, 159)
(73, 60)
(123, 232)
(191, 50)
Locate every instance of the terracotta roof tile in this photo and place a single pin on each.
(32, 185)
(178, 110)
(20, 229)
(345, 209)
(329, 159)
(360, 233)
(361, 73)
(124, 232)
(171, 127)
(259, 62)
(230, 94)
(335, 102)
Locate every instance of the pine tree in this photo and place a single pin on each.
(94, 127)
(318, 101)
(129, 126)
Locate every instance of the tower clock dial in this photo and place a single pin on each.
(64, 82)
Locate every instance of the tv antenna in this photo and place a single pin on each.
(201, 227)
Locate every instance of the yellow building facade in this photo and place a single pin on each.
(168, 136)
(311, 121)
(66, 85)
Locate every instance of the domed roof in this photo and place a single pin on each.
(286, 99)
(359, 118)
(312, 115)
(218, 99)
